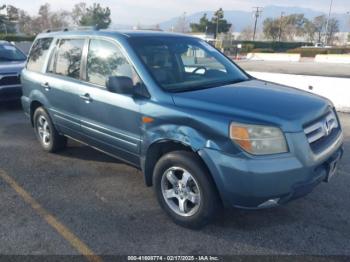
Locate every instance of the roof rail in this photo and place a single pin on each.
(75, 28)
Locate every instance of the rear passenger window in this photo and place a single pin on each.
(38, 54)
(106, 59)
(68, 58)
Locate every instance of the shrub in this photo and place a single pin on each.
(338, 51)
(247, 48)
(275, 46)
(263, 50)
(16, 38)
(312, 52)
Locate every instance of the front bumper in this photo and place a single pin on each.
(10, 93)
(260, 182)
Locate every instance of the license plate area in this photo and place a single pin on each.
(332, 168)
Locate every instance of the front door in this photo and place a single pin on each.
(110, 121)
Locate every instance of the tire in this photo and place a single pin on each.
(50, 140)
(201, 203)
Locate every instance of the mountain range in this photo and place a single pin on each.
(242, 19)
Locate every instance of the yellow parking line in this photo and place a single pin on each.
(51, 220)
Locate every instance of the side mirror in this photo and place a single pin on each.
(141, 91)
(120, 85)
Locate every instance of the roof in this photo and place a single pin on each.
(112, 33)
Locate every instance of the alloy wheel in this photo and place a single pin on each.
(181, 191)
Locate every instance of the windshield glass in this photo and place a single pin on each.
(10, 53)
(184, 64)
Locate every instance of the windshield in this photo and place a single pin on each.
(184, 64)
(10, 53)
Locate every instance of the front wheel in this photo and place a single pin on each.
(185, 190)
(46, 133)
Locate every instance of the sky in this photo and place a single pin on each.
(149, 12)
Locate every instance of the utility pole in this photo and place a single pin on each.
(348, 39)
(257, 13)
(328, 20)
(280, 31)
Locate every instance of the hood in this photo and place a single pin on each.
(256, 101)
(12, 67)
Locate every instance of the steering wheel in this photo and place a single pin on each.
(200, 68)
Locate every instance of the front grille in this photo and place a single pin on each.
(323, 130)
(9, 80)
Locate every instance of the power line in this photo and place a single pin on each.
(257, 13)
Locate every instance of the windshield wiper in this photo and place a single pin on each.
(210, 85)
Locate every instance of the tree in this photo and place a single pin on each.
(60, 19)
(333, 28)
(202, 26)
(78, 12)
(285, 27)
(217, 24)
(182, 25)
(12, 13)
(44, 17)
(246, 34)
(292, 26)
(25, 22)
(271, 28)
(7, 20)
(310, 30)
(320, 26)
(222, 26)
(157, 27)
(96, 15)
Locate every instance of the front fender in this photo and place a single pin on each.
(185, 135)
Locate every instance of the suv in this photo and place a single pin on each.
(204, 133)
(12, 61)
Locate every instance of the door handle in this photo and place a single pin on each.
(86, 97)
(46, 86)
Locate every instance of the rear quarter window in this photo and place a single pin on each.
(38, 54)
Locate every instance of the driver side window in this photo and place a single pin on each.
(104, 60)
(195, 58)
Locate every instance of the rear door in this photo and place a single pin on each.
(110, 121)
(62, 84)
(33, 75)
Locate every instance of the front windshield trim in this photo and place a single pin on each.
(241, 77)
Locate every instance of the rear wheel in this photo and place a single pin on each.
(46, 133)
(185, 190)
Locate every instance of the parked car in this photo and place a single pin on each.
(204, 132)
(12, 61)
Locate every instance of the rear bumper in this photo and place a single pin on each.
(10, 93)
(255, 183)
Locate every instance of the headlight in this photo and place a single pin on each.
(258, 140)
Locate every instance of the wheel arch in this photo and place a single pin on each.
(160, 148)
(34, 105)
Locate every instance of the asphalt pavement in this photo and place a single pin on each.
(104, 205)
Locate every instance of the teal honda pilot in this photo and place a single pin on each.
(204, 133)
